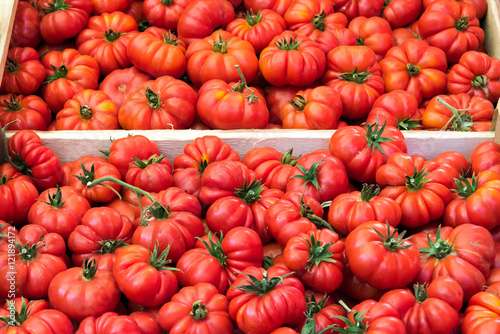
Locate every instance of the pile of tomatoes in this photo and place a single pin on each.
(293, 64)
(356, 237)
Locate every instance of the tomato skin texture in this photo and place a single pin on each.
(438, 26)
(380, 317)
(108, 322)
(355, 8)
(103, 113)
(485, 156)
(400, 13)
(40, 320)
(164, 15)
(299, 67)
(123, 150)
(358, 93)
(398, 108)
(119, 83)
(247, 309)
(302, 12)
(60, 25)
(228, 212)
(147, 322)
(78, 72)
(279, 6)
(23, 71)
(31, 111)
(101, 7)
(201, 17)
(166, 103)
(374, 32)
(482, 312)
(175, 317)
(26, 29)
(140, 282)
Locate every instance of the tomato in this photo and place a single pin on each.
(33, 317)
(355, 8)
(356, 288)
(304, 12)
(476, 74)
(232, 105)
(147, 322)
(320, 175)
(196, 309)
(190, 165)
(279, 6)
(68, 72)
(322, 314)
(475, 197)
(293, 214)
(350, 210)
(454, 160)
(108, 322)
(353, 72)
(291, 59)
(451, 26)
(46, 243)
(164, 14)
(119, 83)
(415, 67)
(31, 111)
(152, 175)
(102, 231)
(459, 112)
(464, 253)
(165, 53)
(258, 28)
(398, 108)
(166, 103)
(26, 29)
(400, 35)
(485, 156)
(23, 73)
(106, 38)
(374, 32)
(400, 13)
(64, 19)
(480, 5)
(315, 109)
(143, 277)
(321, 23)
(202, 17)
(106, 6)
(71, 166)
(88, 110)
(364, 150)
(259, 208)
(317, 258)
(257, 292)
(482, 312)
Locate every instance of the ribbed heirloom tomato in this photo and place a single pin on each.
(31, 111)
(26, 29)
(398, 108)
(164, 13)
(374, 32)
(119, 83)
(279, 6)
(23, 71)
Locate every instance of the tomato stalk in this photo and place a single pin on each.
(408, 123)
(56, 6)
(391, 242)
(438, 249)
(167, 2)
(19, 317)
(356, 326)
(459, 121)
(318, 253)
(359, 41)
(413, 69)
(111, 36)
(59, 73)
(355, 76)
(55, 201)
(153, 99)
(368, 192)
(171, 39)
(462, 23)
(154, 159)
(242, 85)
(199, 310)
(89, 176)
(318, 21)
(250, 193)
(12, 66)
(89, 269)
(374, 137)
(298, 102)
(214, 247)
(420, 292)
(267, 262)
(14, 104)
(288, 159)
(310, 175)
(27, 253)
(260, 287)
(159, 260)
(312, 308)
(285, 45)
(252, 18)
(85, 112)
(416, 181)
(480, 82)
(109, 246)
(466, 188)
(307, 212)
(220, 45)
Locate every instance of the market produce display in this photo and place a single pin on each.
(358, 236)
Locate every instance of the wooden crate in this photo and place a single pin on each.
(70, 145)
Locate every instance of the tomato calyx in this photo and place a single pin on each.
(199, 310)
(466, 188)
(220, 46)
(359, 41)
(460, 121)
(202, 165)
(12, 66)
(480, 82)
(27, 253)
(154, 159)
(241, 85)
(319, 253)
(409, 124)
(308, 213)
(318, 21)
(153, 99)
(298, 102)
(214, 247)
(368, 192)
(288, 158)
(250, 193)
(438, 249)
(19, 317)
(312, 308)
(393, 242)
(261, 287)
(292, 44)
(59, 73)
(109, 246)
(89, 269)
(374, 137)
(167, 2)
(462, 23)
(159, 260)
(111, 36)
(4, 180)
(310, 175)
(56, 6)
(171, 39)
(352, 327)
(14, 103)
(413, 69)
(267, 262)
(355, 76)
(85, 112)
(252, 18)
(416, 181)
(420, 292)
(55, 201)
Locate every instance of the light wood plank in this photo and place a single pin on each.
(8, 10)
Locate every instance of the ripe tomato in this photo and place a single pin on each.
(26, 29)
(23, 71)
(152, 175)
(279, 6)
(166, 103)
(354, 73)
(31, 111)
(454, 160)
(109, 321)
(291, 59)
(119, 83)
(374, 32)
(482, 312)
(480, 5)
(398, 108)
(400, 13)
(88, 110)
(164, 14)
(304, 12)
(485, 156)
(355, 8)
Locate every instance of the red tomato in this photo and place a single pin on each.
(330, 39)
(119, 83)
(451, 26)
(68, 72)
(304, 12)
(400, 35)
(64, 19)
(31, 111)
(23, 71)
(485, 156)
(400, 13)
(201, 17)
(26, 29)
(147, 322)
(196, 309)
(100, 7)
(398, 108)
(358, 289)
(322, 314)
(108, 322)
(143, 277)
(164, 14)
(166, 103)
(350, 210)
(88, 110)
(257, 292)
(374, 32)
(481, 315)
(165, 53)
(480, 5)
(364, 150)
(353, 72)
(106, 38)
(454, 160)
(279, 6)
(152, 175)
(355, 8)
